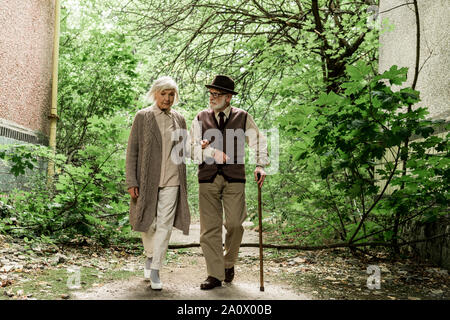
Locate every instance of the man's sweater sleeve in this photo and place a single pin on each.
(197, 153)
(257, 142)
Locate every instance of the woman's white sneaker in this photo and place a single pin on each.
(147, 274)
(156, 285)
(147, 268)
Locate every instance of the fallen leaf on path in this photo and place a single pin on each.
(9, 293)
(7, 268)
(299, 260)
(6, 283)
(437, 291)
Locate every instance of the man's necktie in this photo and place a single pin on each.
(222, 120)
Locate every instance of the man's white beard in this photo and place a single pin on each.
(218, 106)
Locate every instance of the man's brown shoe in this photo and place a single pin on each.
(210, 283)
(229, 274)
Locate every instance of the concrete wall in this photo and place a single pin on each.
(398, 46)
(436, 250)
(26, 40)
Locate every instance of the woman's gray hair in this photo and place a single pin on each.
(163, 83)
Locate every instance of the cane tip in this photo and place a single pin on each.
(261, 288)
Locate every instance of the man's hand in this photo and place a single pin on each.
(204, 143)
(262, 176)
(134, 192)
(220, 157)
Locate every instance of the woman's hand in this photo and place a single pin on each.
(134, 192)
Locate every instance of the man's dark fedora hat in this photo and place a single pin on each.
(224, 83)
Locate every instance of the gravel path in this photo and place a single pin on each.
(181, 279)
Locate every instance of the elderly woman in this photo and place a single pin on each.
(157, 184)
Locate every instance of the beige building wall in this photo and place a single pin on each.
(26, 39)
(398, 46)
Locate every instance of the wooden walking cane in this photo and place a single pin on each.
(261, 277)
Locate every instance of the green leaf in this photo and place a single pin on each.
(395, 76)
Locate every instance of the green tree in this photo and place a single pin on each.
(97, 77)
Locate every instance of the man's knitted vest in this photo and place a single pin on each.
(233, 132)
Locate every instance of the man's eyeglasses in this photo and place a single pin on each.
(216, 94)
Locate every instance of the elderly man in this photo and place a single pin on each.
(221, 176)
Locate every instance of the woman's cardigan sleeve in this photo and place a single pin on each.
(132, 154)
